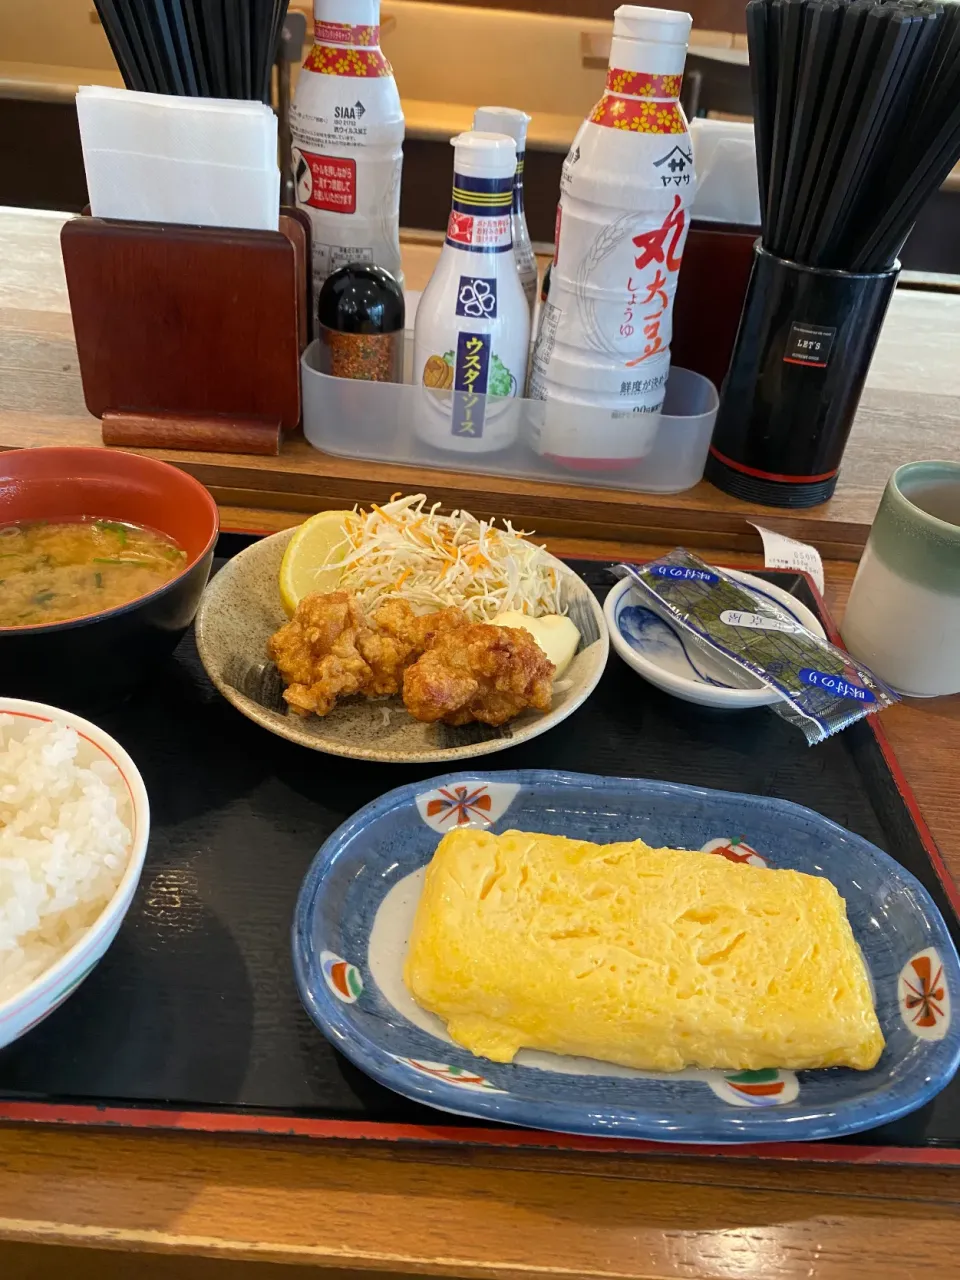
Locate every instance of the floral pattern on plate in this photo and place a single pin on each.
(768, 1088)
(735, 849)
(465, 804)
(924, 995)
(342, 977)
(459, 1077)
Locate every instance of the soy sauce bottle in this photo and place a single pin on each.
(360, 313)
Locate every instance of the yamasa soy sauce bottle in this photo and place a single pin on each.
(603, 346)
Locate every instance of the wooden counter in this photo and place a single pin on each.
(78, 1203)
(911, 409)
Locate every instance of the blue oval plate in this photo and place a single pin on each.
(358, 900)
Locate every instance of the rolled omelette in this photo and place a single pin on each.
(651, 958)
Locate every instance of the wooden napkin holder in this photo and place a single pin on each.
(189, 337)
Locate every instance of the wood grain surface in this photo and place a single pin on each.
(215, 297)
(911, 409)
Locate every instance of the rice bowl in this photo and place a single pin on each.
(74, 824)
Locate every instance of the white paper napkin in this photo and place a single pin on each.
(124, 184)
(161, 158)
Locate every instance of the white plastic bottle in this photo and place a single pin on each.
(472, 330)
(347, 127)
(514, 124)
(603, 349)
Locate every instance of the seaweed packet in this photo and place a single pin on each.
(821, 688)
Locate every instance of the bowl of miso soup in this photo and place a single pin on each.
(104, 556)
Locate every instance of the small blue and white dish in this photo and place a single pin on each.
(659, 651)
(356, 906)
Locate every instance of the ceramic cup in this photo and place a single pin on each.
(903, 618)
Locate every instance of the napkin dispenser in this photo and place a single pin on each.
(189, 337)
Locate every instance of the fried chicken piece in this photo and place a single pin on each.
(478, 672)
(397, 637)
(317, 654)
(329, 650)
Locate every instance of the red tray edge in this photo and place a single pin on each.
(259, 1126)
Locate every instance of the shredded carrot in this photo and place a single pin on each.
(407, 548)
(380, 512)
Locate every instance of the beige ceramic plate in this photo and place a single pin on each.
(241, 609)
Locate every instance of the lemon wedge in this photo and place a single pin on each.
(301, 573)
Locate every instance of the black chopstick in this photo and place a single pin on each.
(242, 11)
(264, 52)
(821, 23)
(198, 49)
(863, 43)
(232, 46)
(882, 245)
(140, 19)
(857, 121)
(214, 38)
(762, 83)
(184, 53)
(125, 22)
(898, 34)
(830, 90)
(786, 17)
(120, 46)
(882, 152)
(159, 20)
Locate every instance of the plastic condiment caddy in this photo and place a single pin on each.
(379, 421)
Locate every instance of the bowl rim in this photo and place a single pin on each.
(45, 983)
(680, 686)
(202, 492)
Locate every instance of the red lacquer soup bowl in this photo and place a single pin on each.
(103, 656)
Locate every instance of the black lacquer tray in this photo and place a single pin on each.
(192, 1020)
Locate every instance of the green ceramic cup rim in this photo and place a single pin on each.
(930, 469)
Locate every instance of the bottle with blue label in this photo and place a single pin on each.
(472, 330)
(513, 123)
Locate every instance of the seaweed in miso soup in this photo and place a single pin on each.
(54, 571)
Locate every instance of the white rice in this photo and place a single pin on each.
(65, 842)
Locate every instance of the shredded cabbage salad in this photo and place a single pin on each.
(406, 549)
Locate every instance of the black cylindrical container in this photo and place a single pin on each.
(803, 349)
(360, 312)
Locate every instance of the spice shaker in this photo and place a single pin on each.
(361, 316)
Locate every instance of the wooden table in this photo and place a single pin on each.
(79, 1203)
(911, 409)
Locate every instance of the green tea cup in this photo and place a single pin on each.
(903, 616)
